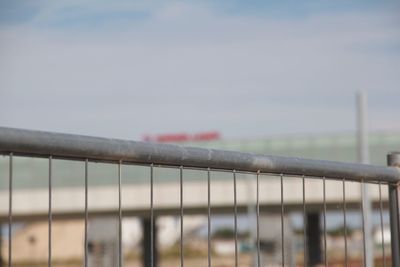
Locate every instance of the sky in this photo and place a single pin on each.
(124, 69)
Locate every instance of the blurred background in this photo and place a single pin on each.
(257, 76)
(261, 68)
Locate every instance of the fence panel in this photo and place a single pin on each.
(122, 154)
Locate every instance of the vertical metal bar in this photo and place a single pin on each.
(10, 210)
(345, 224)
(151, 216)
(363, 223)
(258, 221)
(119, 216)
(235, 217)
(304, 223)
(50, 211)
(393, 160)
(282, 225)
(181, 207)
(209, 217)
(86, 211)
(325, 244)
(381, 220)
(394, 223)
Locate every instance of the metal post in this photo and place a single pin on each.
(393, 160)
(363, 157)
(1, 242)
(362, 128)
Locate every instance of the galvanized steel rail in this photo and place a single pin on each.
(68, 146)
(18, 142)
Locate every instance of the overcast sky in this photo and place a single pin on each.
(128, 68)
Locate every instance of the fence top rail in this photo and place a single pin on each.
(69, 146)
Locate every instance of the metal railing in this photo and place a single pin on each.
(17, 142)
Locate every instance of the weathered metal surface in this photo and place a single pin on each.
(394, 212)
(27, 142)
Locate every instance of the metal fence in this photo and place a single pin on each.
(26, 143)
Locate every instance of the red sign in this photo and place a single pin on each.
(182, 137)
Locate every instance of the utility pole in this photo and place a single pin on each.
(363, 157)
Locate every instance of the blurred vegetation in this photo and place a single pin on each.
(339, 231)
(229, 233)
(188, 251)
